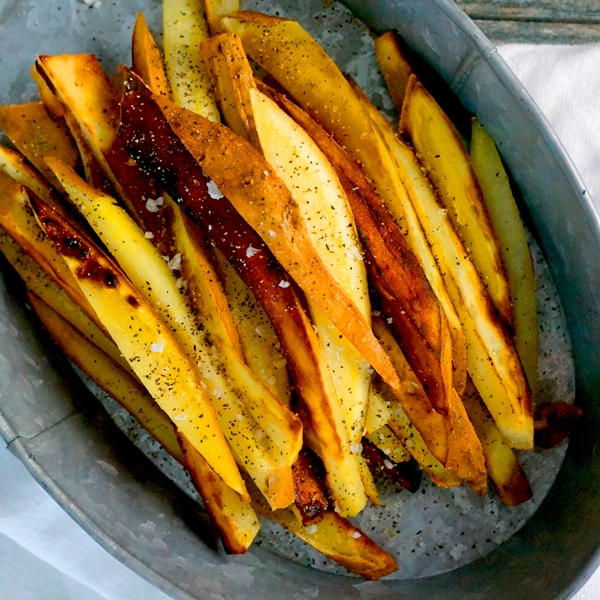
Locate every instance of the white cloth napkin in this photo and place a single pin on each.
(44, 554)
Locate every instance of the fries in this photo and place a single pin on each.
(293, 303)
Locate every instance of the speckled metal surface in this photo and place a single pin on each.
(128, 506)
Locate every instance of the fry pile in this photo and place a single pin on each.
(292, 300)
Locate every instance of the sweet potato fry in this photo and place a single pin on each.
(36, 135)
(147, 59)
(165, 371)
(512, 240)
(442, 153)
(184, 29)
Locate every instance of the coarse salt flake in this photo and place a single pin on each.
(443, 211)
(213, 190)
(272, 233)
(356, 534)
(284, 284)
(311, 529)
(180, 417)
(356, 448)
(251, 251)
(153, 204)
(388, 464)
(148, 235)
(266, 173)
(239, 417)
(389, 320)
(175, 263)
(157, 346)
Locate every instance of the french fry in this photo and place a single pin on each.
(405, 473)
(512, 240)
(310, 498)
(492, 361)
(244, 407)
(396, 70)
(338, 539)
(442, 153)
(36, 135)
(132, 324)
(234, 516)
(394, 273)
(184, 29)
(504, 469)
(147, 59)
(389, 443)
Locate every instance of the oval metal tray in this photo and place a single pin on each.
(112, 491)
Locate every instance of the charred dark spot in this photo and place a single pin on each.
(94, 271)
(133, 301)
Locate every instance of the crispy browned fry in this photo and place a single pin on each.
(555, 421)
(396, 70)
(310, 498)
(504, 469)
(146, 58)
(231, 77)
(444, 156)
(36, 135)
(406, 473)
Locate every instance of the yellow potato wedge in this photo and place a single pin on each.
(396, 70)
(512, 239)
(245, 408)
(184, 29)
(444, 156)
(502, 462)
(146, 343)
(147, 59)
(492, 360)
(232, 78)
(36, 135)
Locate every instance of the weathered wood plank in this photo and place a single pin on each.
(539, 32)
(568, 11)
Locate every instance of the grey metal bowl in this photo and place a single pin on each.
(111, 490)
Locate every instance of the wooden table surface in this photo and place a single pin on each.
(537, 21)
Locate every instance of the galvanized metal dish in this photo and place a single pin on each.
(131, 508)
